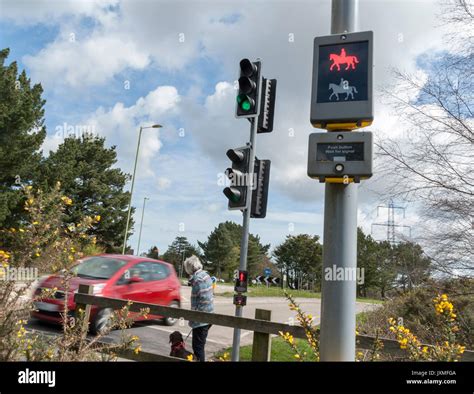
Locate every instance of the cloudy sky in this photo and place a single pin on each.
(110, 66)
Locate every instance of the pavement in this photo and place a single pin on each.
(154, 334)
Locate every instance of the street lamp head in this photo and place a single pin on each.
(155, 126)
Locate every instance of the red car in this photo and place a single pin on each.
(116, 276)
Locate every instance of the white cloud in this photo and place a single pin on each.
(26, 12)
(120, 125)
(163, 183)
(80, 63)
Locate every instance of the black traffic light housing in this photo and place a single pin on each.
(260, 192)
(248, 100)
(241, 282)
(239, 177)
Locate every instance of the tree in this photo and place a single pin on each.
(434, 164)
(179, 250)
(222, 250)
(84, 167)
(377, 261)
(412, 266)
(22, 133)
(388, 266)
(153, 253)
(367, 259)
(300, 258)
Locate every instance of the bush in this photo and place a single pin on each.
(46, 243)
(414, 310)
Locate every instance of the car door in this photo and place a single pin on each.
(160, 284)
(135, 291)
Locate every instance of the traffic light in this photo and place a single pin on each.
(248, 100)
(341, 97)
(260, 192)
(241, 282)
(239, 178)
(267, 109)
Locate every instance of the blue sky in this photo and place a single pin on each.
(180, 61)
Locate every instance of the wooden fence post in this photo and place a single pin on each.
(261, 341)
(84, 289)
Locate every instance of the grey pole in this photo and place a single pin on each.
(131, 192)
(344, 16)
(338, 299)
(244, 245)
(141, 226)
(155, 126)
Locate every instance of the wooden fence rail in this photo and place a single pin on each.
(261, 326)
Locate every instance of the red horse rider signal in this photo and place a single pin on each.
(350, 60)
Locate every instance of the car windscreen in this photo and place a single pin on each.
(98, 267)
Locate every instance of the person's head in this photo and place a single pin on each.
(192, 264)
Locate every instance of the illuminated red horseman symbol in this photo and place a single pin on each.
(337, 60)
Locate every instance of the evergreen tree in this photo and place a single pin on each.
(153, 253)
(179, 250)
(222, 250)
(84, 166)
(22, 133)
(300, 258)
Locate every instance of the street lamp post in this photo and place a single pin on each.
(141, 226)
(155, 126)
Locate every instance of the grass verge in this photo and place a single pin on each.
(280, 351)
(263, 291)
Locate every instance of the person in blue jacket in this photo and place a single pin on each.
(202, 299)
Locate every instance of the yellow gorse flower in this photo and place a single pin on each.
(66, 200)
(445, 350)
(4, 254)
(444, 307)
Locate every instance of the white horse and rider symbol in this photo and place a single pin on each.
(343, 86)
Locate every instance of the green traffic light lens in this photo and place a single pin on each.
(244, 102)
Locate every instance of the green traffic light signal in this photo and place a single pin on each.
(245, 102)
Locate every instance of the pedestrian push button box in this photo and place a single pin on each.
(340, 157)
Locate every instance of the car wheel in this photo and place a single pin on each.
(102, 321)
(171, 321)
